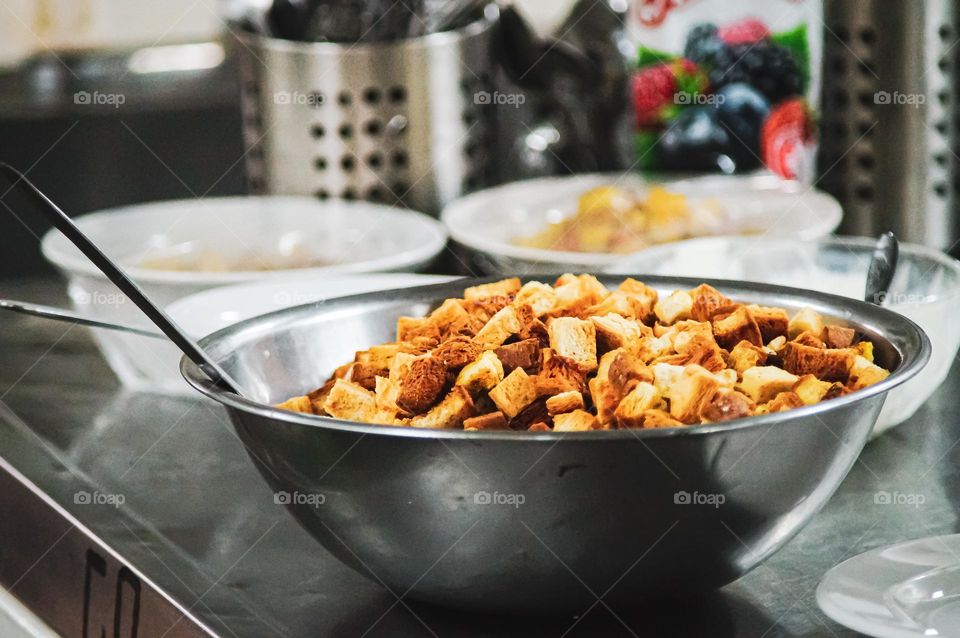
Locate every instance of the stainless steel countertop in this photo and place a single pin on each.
(200, 523)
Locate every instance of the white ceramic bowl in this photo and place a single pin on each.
(926, 288)
(489, 221)
(350, 237)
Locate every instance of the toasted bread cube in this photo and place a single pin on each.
(727, 405)
(864, 373)
(812, 390)
(483, 374)
(387, 392)
(650, 348)
(707, 301)
(539, 426)
(838, 336)
(620, 303)
(502, 288)
(514, 393)
(350, 402)
(421, 381)
(665, 376)
(784, 401)
(619, 371)
(825, 363)
(564, 402)
(457, 352)
(451, 412)
(576, 421)
(806, 319)
(674, 308)
(297, 404)
(691, 393)
(615, 331)
(746, 355)
(773, 322)
(363, 375)
(630, 413)
(379, 357)
(400, 362)
(865, 349)
(659, 419)
(699, 347)
(559, 374)
(738, 326)
(489, 421)
(447, 314)
(539, 296)
(522, 354)
(763, 383)
(502, 325)
(410, 327)
(807, 338)
(726, 378)
(775, 346)
(575, 339)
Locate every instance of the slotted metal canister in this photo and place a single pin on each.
(409, 121)
(888, 148)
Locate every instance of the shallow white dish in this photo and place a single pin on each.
(350, 237)
(206, 312)
(908, 590)
(488, 222)
(926, 288)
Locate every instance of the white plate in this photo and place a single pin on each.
(206, 312)
(489, 221)
(908, 590)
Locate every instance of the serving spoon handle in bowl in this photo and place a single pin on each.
(120, 279)
(883, 266)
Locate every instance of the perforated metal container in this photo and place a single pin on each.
(889, 117)
(410, 121)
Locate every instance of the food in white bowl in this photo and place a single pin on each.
(925, 288)
(349, 237)
(495, 224)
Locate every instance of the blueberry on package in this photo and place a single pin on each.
(725, 86)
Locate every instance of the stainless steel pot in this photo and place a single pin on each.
(549, 522)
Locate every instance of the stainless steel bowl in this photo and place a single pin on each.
(550, 522)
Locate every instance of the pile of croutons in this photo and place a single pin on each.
(577, 356)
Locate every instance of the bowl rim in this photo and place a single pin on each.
(846, 241)
(911, 363)
(59, 251)
(456, 212)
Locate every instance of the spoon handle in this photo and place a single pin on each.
(65, 225)
(67, 316)
(883, 265)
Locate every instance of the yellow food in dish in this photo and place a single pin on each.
(577, 356)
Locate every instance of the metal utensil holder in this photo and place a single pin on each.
(406, 122)
(890, 119)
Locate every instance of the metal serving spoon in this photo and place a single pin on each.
(119, 278)
(883, 265)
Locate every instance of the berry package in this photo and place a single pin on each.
(726, 87)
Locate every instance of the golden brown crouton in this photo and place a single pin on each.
(417, 345)
(865, 349)
(643, 294)
(539, 426)
(575, 294)
(699, 347)
(535, 329)
(502, 288)
(807, 338)
(522, 354)
(564, 402)
(349, 401)
(691, 393)
(575, 339)
(379, 357)
(838, 336)
(664, 376)
(650, 348)
(489, 421)
(619, 371)
(482, 374)
(536, 412)
(659, 419)
(631, 412)
(812, 390)
(784, 401)
(502, 325)
(421, 381)
(363, 375)
(386, 394)
(707, 301)
(576, 421)
(773, 322)
(410, 327)
(451, 412)
(457, 352)
(806, 319)
(763, 383)
(736, 327)
(864, 373)
(448, 313)
(540, 297)
(560, 374)
(514, 393)
(727, 405)
(319, 396)
(674, 308)
(745, 355)
(615, 331)
(466, 326)
(826, 364)
(297, 404)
